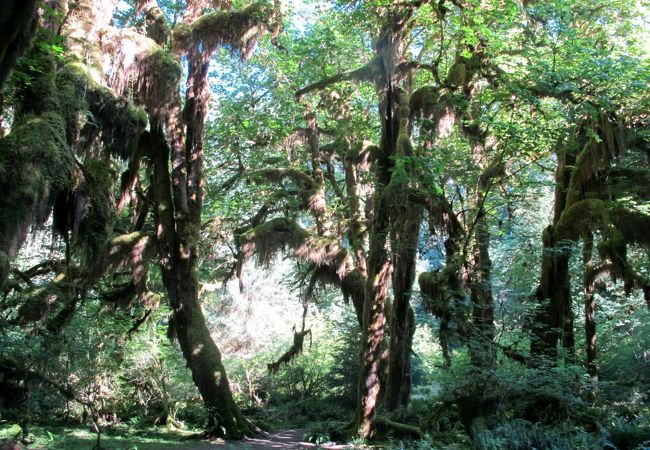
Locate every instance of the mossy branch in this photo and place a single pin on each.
(238, 30)
(368, 73)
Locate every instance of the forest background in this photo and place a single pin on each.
(419, 223)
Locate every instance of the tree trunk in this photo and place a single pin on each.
(405, 229)
(374, 318)
(482, 350)
(180, 276)
(590, 307)
(554, 318)
(379, 272)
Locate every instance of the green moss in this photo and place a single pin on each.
(91, 110)
(182, 36)
(271, 237)
(96, 222)
(238, 30)
(424, 100)
(457, 74)
(581, 218)
(37, 164)
(432, 286)
(159, 81)
(633, 221)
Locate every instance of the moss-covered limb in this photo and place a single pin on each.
(238, 30)
(295, 350)
(18, 23)
(309, 189)
(368, 73)
(37, 164)
(423, 101)
(116, 121)
(633, 222)
(271, 237)
(596, 154)
(580, 218)
(628, 181)
(157, 27)
(139, 60)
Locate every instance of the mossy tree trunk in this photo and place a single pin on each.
(589, 286)
(406, 217)
(554, 317)
(379, 272)
(180, 277)
(482, 349)
(179, 200)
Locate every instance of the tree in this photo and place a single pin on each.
(85, 211)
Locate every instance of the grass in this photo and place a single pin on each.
(121, 437)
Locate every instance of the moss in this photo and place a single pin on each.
(633, 222)
(96, 221)
(432, 286)
(457, 74)
(37, 164)
(182, 36)
(423, 101)
(580, 218)
(625, 181)
(38, 302)
(271, 237)
(238, 30)
(91, 110)
(158, 80)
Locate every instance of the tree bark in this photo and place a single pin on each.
(482, 350)
(180, 276)
(554, 318)
(589, 287)
(379, 271)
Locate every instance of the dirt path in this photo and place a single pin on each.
(286, 439)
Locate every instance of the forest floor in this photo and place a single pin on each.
(285, 439)
(128, 438)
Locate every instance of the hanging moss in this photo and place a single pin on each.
(432, 285)
(157, 27)
(308, 189)
(91, 110)
(37, 164)
(423, 101)
(626, 181)
(158, 80)
(39, 302)
(633, 222)
(457, 75)
(580, 218)
(142, 69)
(362, 154)
(238, 30)
(270, 238)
